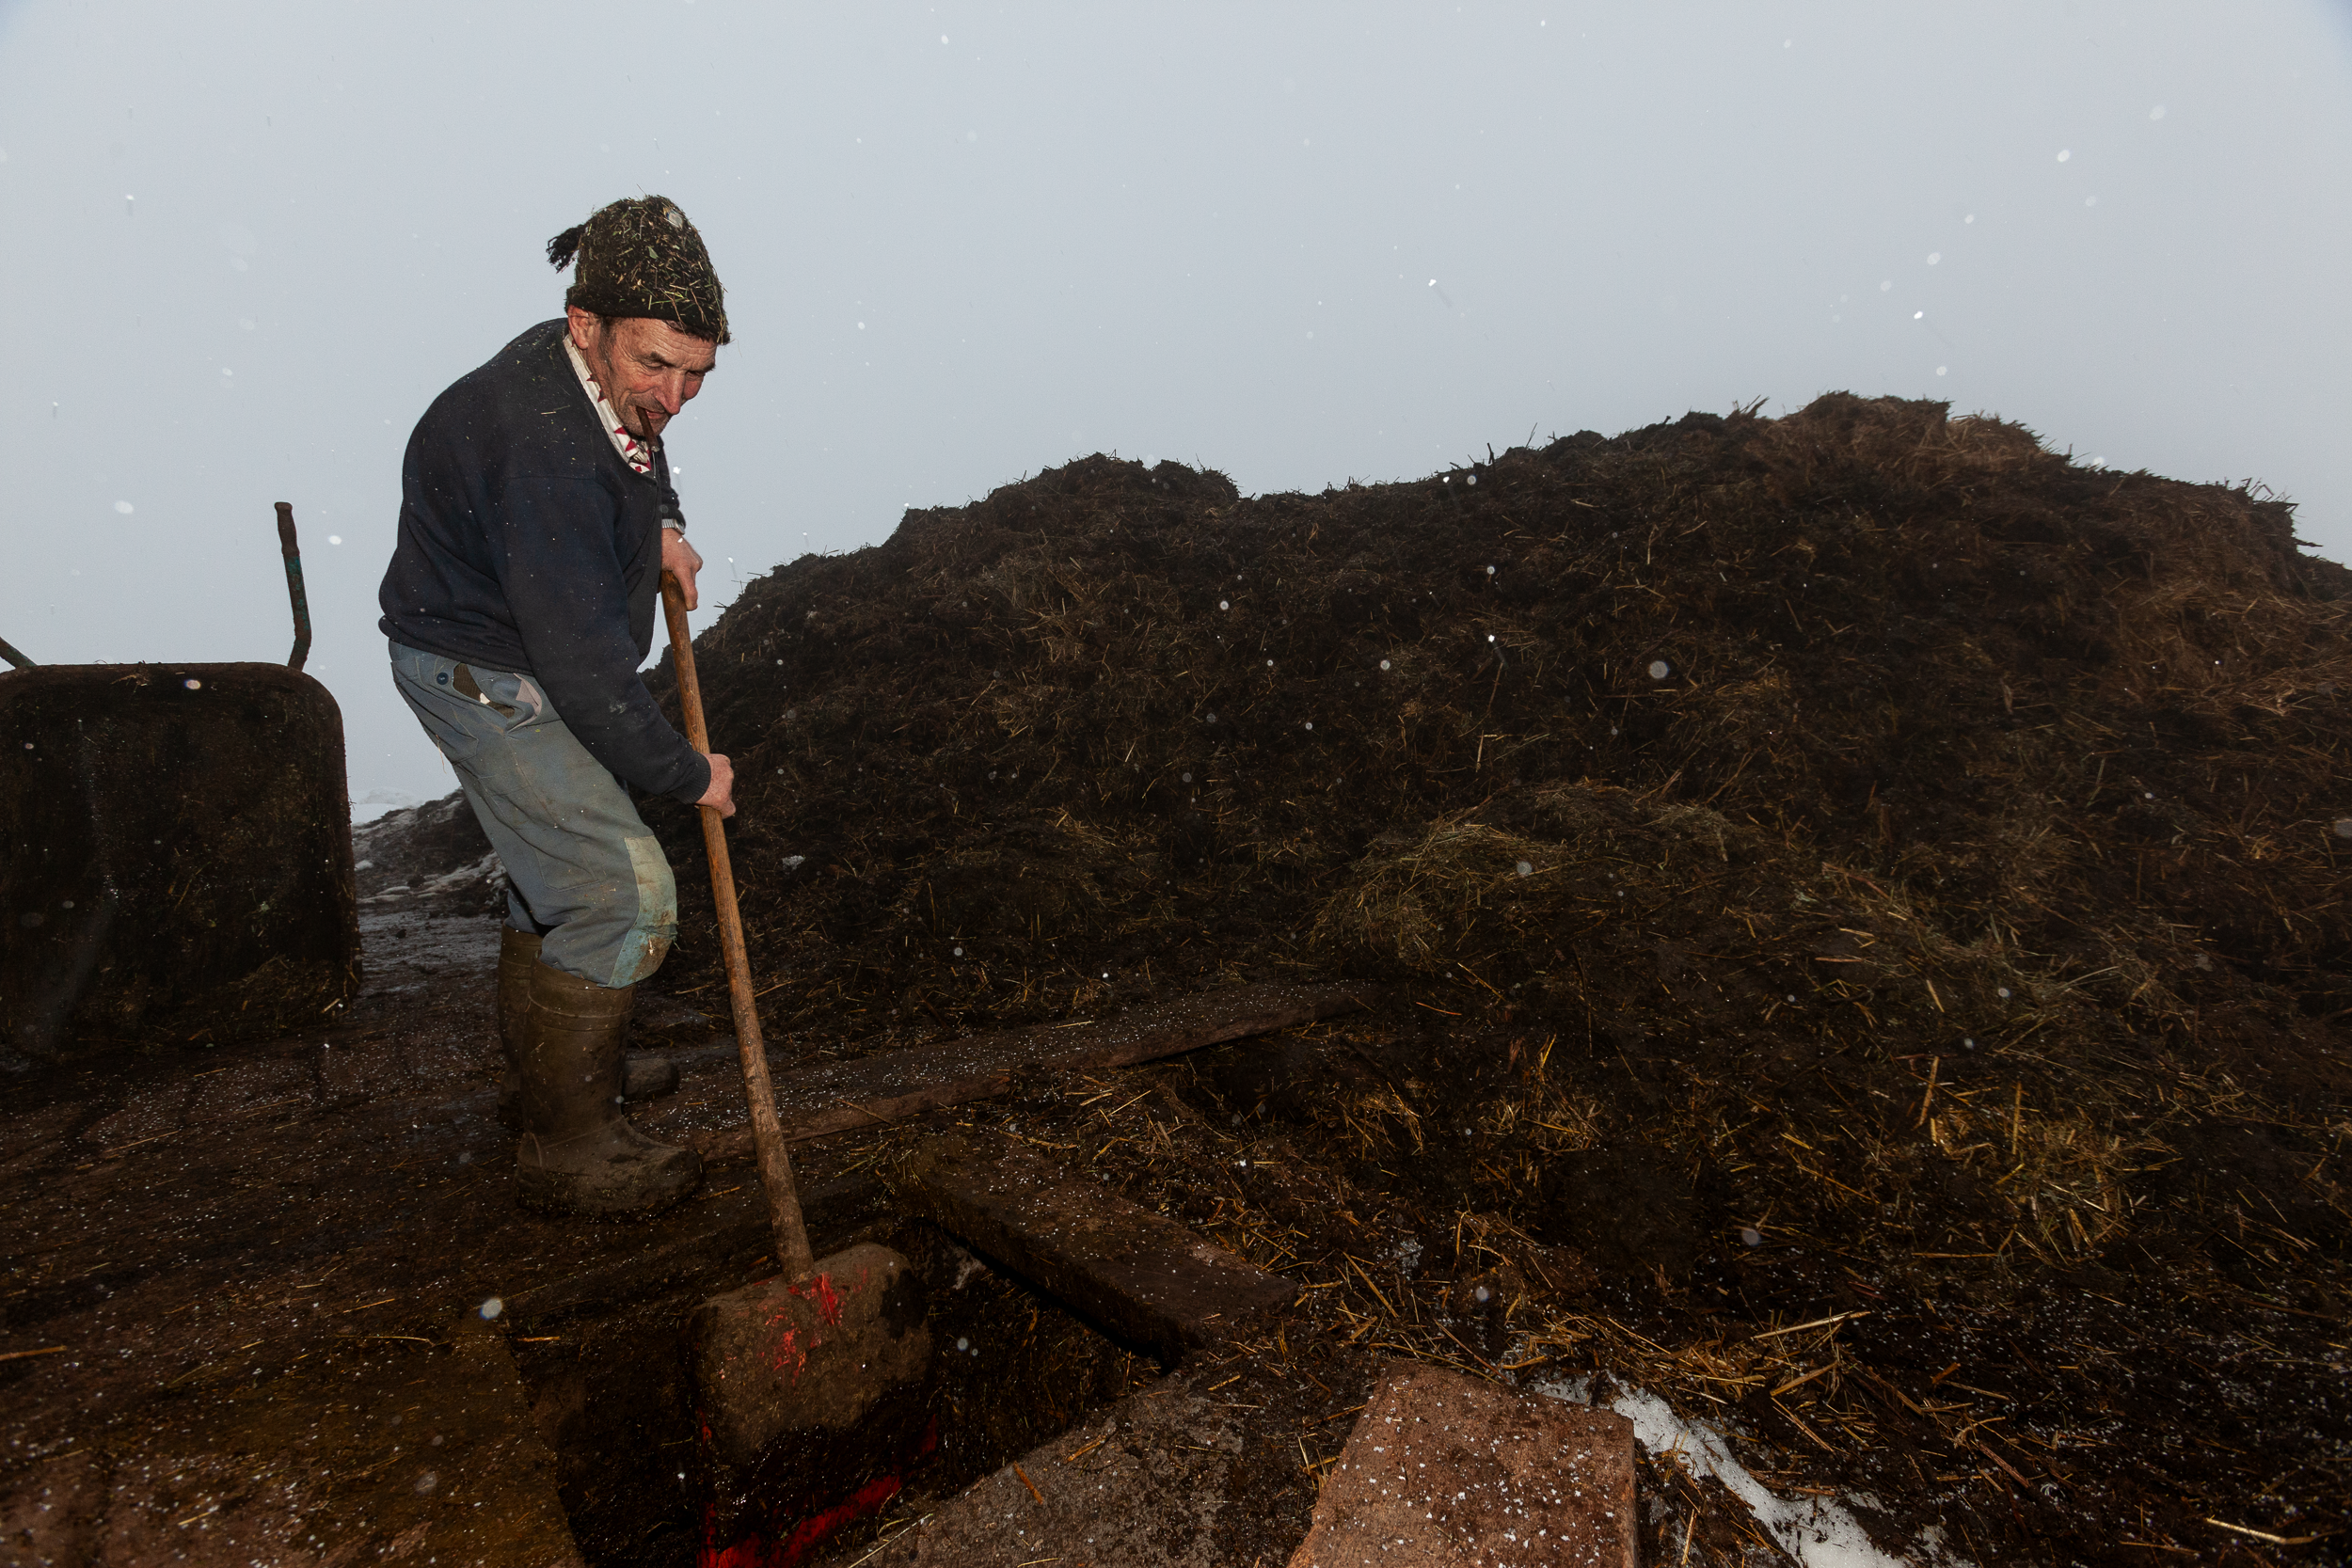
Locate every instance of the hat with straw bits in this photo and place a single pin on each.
(642, 258)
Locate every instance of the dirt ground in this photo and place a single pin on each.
(238, 1284)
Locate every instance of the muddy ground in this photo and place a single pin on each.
(244, 1284)
(1857, 900)
(245, 1290)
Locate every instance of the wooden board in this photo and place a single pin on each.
(896, 1085)
(1146, 1279)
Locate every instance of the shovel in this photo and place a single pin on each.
(804, 1382)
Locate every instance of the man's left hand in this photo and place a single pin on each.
(681, 561)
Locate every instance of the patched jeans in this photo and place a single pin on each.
(582, 871)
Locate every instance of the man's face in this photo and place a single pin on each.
(648, 368)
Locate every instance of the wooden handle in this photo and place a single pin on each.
(775, 1165)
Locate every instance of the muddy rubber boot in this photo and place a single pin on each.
(579, 1155)
(518, 954)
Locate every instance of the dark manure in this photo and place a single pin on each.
(1859, 862)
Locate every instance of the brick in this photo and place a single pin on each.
(1446, 1471)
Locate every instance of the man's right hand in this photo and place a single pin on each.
(721, 791)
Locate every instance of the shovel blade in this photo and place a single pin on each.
(807, 1391)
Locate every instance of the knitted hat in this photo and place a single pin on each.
(642, 258)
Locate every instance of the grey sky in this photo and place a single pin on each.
(244, 246)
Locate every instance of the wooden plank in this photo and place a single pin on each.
(893, 1086)
(1144, 1278)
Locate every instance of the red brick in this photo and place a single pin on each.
(1445, 1471)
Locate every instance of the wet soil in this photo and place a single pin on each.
(274, 1250)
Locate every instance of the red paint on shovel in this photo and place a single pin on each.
(827, 1300)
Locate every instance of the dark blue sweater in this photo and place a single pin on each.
(527, 544)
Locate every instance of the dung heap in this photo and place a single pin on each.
(1896, 715)
(1859, 866)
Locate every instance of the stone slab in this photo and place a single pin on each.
(1201, 1469)
(1145, 1278)
(1446, 1471)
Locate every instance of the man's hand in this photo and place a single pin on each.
(721, 791)
(682, 561)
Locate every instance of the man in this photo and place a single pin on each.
(536, 519)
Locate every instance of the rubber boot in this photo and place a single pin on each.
(579, 1155)
(518, 954)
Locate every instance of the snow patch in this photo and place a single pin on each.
(376, 803)
(1817, 1532)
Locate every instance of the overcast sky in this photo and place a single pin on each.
(243, 246)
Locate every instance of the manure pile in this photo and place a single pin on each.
(1855, 863)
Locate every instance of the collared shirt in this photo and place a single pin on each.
(637, 454)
